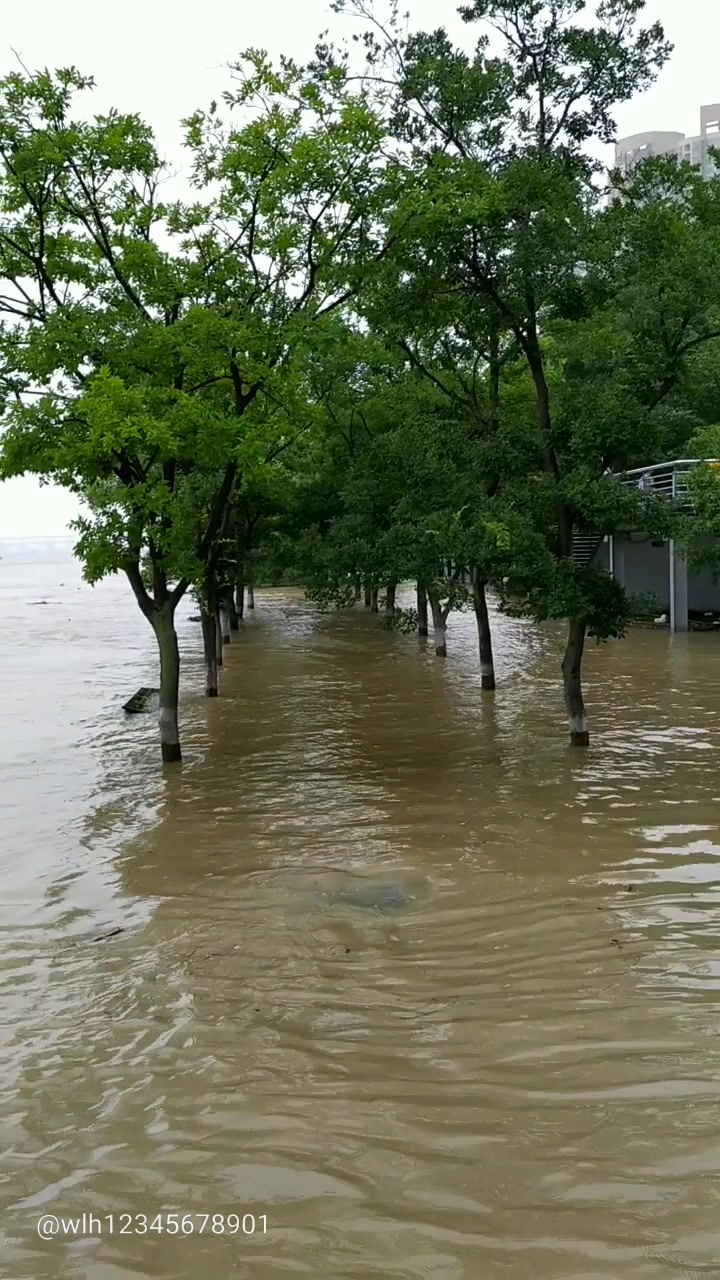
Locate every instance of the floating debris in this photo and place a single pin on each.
(139, 700)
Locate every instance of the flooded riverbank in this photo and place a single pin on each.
(508, 1067)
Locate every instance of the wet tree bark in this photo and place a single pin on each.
(209, 628)
(250, 576)
(225, 623)
(439, 618)
(230, 610)
(572, 684)
(240, 599)
(422, 610)
(163, 623)
(482, 617)
(368, 597)
(373, 600)
(390, 604)
(219, 637)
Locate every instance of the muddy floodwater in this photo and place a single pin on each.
(396, 982)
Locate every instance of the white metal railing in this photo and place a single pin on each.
(666, 478)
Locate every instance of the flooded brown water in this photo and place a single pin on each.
(437, 997)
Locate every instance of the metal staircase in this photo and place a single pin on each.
(585, 549)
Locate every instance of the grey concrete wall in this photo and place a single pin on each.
(602, 556)
(704, 587)
(644, 570)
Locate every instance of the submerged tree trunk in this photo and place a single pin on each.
(163, 624)
(572, 684)
(373, 600)
(390, 604)
(482, 617)
(225, 624)
(230, 610)
(240, 599)
(209, 628)
(250, 576)
(422, 610)
(368, 597)
(219, 637)
(439, 625)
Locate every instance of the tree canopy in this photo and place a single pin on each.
(395, 330)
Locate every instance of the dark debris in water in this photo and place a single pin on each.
(113, 933)
(139, 701)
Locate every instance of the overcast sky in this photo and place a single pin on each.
(163, 60)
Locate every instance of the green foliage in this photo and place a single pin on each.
(563, 333)
(570, 76)
(147, 345)
(702, 522)
(395, 327)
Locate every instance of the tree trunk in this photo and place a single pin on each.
(240, 599)
(357, 590)
(209, 628)
(224, 624)
(368, 597)
(422, 610)
(230, 610)
(218, 637)
(390, 604)
(250, 575)
(487, 666)
(374, 600)
(572, 684)
(439, 626)
(163, 624)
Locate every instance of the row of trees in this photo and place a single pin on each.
(397, 332)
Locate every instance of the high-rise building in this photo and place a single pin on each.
(628, 151)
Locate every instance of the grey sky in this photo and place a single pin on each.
(164, 60)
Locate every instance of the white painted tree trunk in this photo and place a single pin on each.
(439, 625)
(210, 652)
(166, 636)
